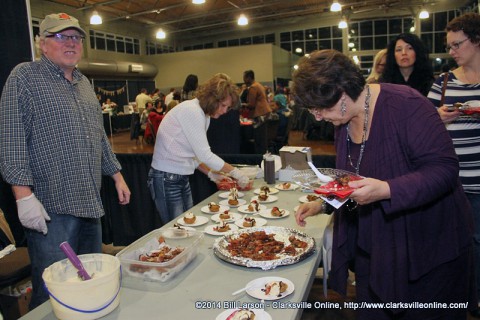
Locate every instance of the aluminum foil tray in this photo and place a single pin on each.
(308, 180)
(281, 234)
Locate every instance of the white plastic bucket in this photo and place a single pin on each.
(73, 298)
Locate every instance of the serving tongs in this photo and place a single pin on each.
(67, 249)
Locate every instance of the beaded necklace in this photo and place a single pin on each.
(364, 135)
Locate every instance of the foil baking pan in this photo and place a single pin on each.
(281, 234)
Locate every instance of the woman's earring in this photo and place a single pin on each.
(343, 107)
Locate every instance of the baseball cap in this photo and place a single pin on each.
(57, 22)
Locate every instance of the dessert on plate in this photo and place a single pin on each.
(276, 212)
(223, 227)
(254, 206)
(249, 222)
(213, 207)
(189, 218)
(275, 288)
(225, 215)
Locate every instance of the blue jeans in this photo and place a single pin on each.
(171, 193)
(84, 236)
(474, 199)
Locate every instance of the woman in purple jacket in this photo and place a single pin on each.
(407, 231)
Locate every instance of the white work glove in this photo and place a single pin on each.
(32, 214)
(215, 177)
(240, 177)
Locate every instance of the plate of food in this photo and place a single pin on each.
(250, 222)
(267, 189)
(274, 213)
(213, 208)
(225, 195)
(264, 247)
(286, 186)
(232, 203)
(220, 229)
(309, 198)
(244, 314)
(270, 288)
(191, 220)
(178, 232)
(339, 186)
(265, 199)
(226, 216)
(252, 207)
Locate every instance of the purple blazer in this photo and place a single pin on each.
(428, 219)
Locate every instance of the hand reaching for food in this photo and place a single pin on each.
(240, 177)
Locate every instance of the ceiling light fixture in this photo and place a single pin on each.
(198, 1)
(95, 18)
(161, 34)
(336, 7)
(424, 14)
(242, 20)
(342, 24)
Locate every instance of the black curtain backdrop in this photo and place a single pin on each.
(14, 36)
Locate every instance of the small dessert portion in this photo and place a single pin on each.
(234, 193)
(286, 185)
(263, 196)
(189, 218)
(213, 207)
(276, 212)
(275, 288)
(233, 201)
(312, 197)
(254, 206)
(223, 227)
(242, 314)
(265, 189)
(225, 215)
(249, 222)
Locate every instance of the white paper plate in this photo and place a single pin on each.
(255, 288)
(205, 209)
(244, 208)
(270, 199)
(303, 199)
(259, 222)
(224, 195)
(267, 213)
(177, 233)
(210, 231)
(198, 222)
(293, 186)
(233, 217)
(272, 190)
(240, 202)
(260, 314)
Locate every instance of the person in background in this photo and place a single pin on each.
(145, 113)
(182, 146)
(175, 101)
(55, 170)
(141, 100)
(281, 108)
(463, 85)
(407, 226)
(243, 94)
(259, 109)
(378, 66)
(189, 87)
(408, 63)
(154, 118)
(156, 94)
(169, 96)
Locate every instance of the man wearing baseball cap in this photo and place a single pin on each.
(53, 150)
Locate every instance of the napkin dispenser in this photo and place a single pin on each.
(296, 157)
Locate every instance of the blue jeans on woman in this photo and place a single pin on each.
(474, 199)
(83, 234)
(171, 193)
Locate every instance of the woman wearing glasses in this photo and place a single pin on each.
(463, 84)
(409, 239)
(408, 64)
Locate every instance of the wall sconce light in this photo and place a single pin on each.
(161, 34)
(198, 1)
(423, 14)
(335, 7)
(342, 24)
(95, 18)
(242, 20)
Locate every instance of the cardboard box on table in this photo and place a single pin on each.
(293, 159)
